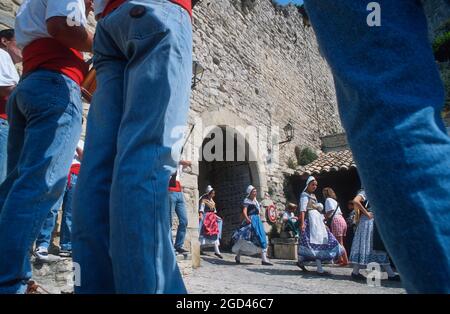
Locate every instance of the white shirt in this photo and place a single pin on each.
(330, 206)
(76, 158)
(33, 14)
(8, 72)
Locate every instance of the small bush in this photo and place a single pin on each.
(291, 163)
(305, 156)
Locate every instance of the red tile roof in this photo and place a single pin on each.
(328, 162)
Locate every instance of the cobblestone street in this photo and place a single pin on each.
(225, 277)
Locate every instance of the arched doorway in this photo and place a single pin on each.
(228, 176)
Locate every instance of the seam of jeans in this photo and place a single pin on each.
(52, 170)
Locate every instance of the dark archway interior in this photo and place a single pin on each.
(230, 179)
(346, 185)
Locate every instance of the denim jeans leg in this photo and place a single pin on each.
(172, 205)
(45, 235)
(4, 128)
(157, 88)
(390, 98)
(45, 119)
(180, 209)
(66, 219)
(90, 215)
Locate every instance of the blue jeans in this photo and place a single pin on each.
(44, 114)
(4, 128)
(177, 205)
(390, 98)
(66, 219)
(121, 236)
(45, 235)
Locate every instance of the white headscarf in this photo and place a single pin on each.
(310, 179)
(209, 189)
(250, 188)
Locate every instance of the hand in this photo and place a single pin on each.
(303, 227)
(89, 6)
(248, 220)
(370, 216)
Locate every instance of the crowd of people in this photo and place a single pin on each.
(119, 232)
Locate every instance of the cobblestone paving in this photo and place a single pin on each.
(225, 277)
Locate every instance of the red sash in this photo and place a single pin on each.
(50, 54)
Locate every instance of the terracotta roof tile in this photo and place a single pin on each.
(328, 162)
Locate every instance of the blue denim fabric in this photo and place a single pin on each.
(4, 128)
(66, 219)
(178, 206)
(45, 235)
(121, 237)
(390, 98)
(44, 113)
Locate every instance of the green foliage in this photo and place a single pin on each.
(291, 163)
(441, 47)
(305, 155)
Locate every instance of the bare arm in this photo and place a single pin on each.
(357, 201)
(5, 91)
(302, 221)
(185, 163)
(80, 153)
(77, 37)
(244, 211)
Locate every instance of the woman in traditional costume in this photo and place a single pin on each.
(210, 223)
(338, 224)
(363, 252)
(250, 238)
(316, 242)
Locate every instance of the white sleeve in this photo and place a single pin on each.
(8, 72)
(80, 144)
(303, 203)
(75, 10)
(329, 206)
(202, 208)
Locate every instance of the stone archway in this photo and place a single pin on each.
(230, 178)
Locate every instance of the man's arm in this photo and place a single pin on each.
(77, 37)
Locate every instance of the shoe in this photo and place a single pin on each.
(65, 253)
(180, 250)
(41, 254)
(218, 255)
(394, 278)
(203, 253)
(266, 263)
(358, 277)
(238, 261)
(324, 274)
(302, 267)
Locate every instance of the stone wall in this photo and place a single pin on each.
(437, 12)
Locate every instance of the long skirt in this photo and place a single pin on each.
(362, 252)
(308, 251)
(250, 238)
